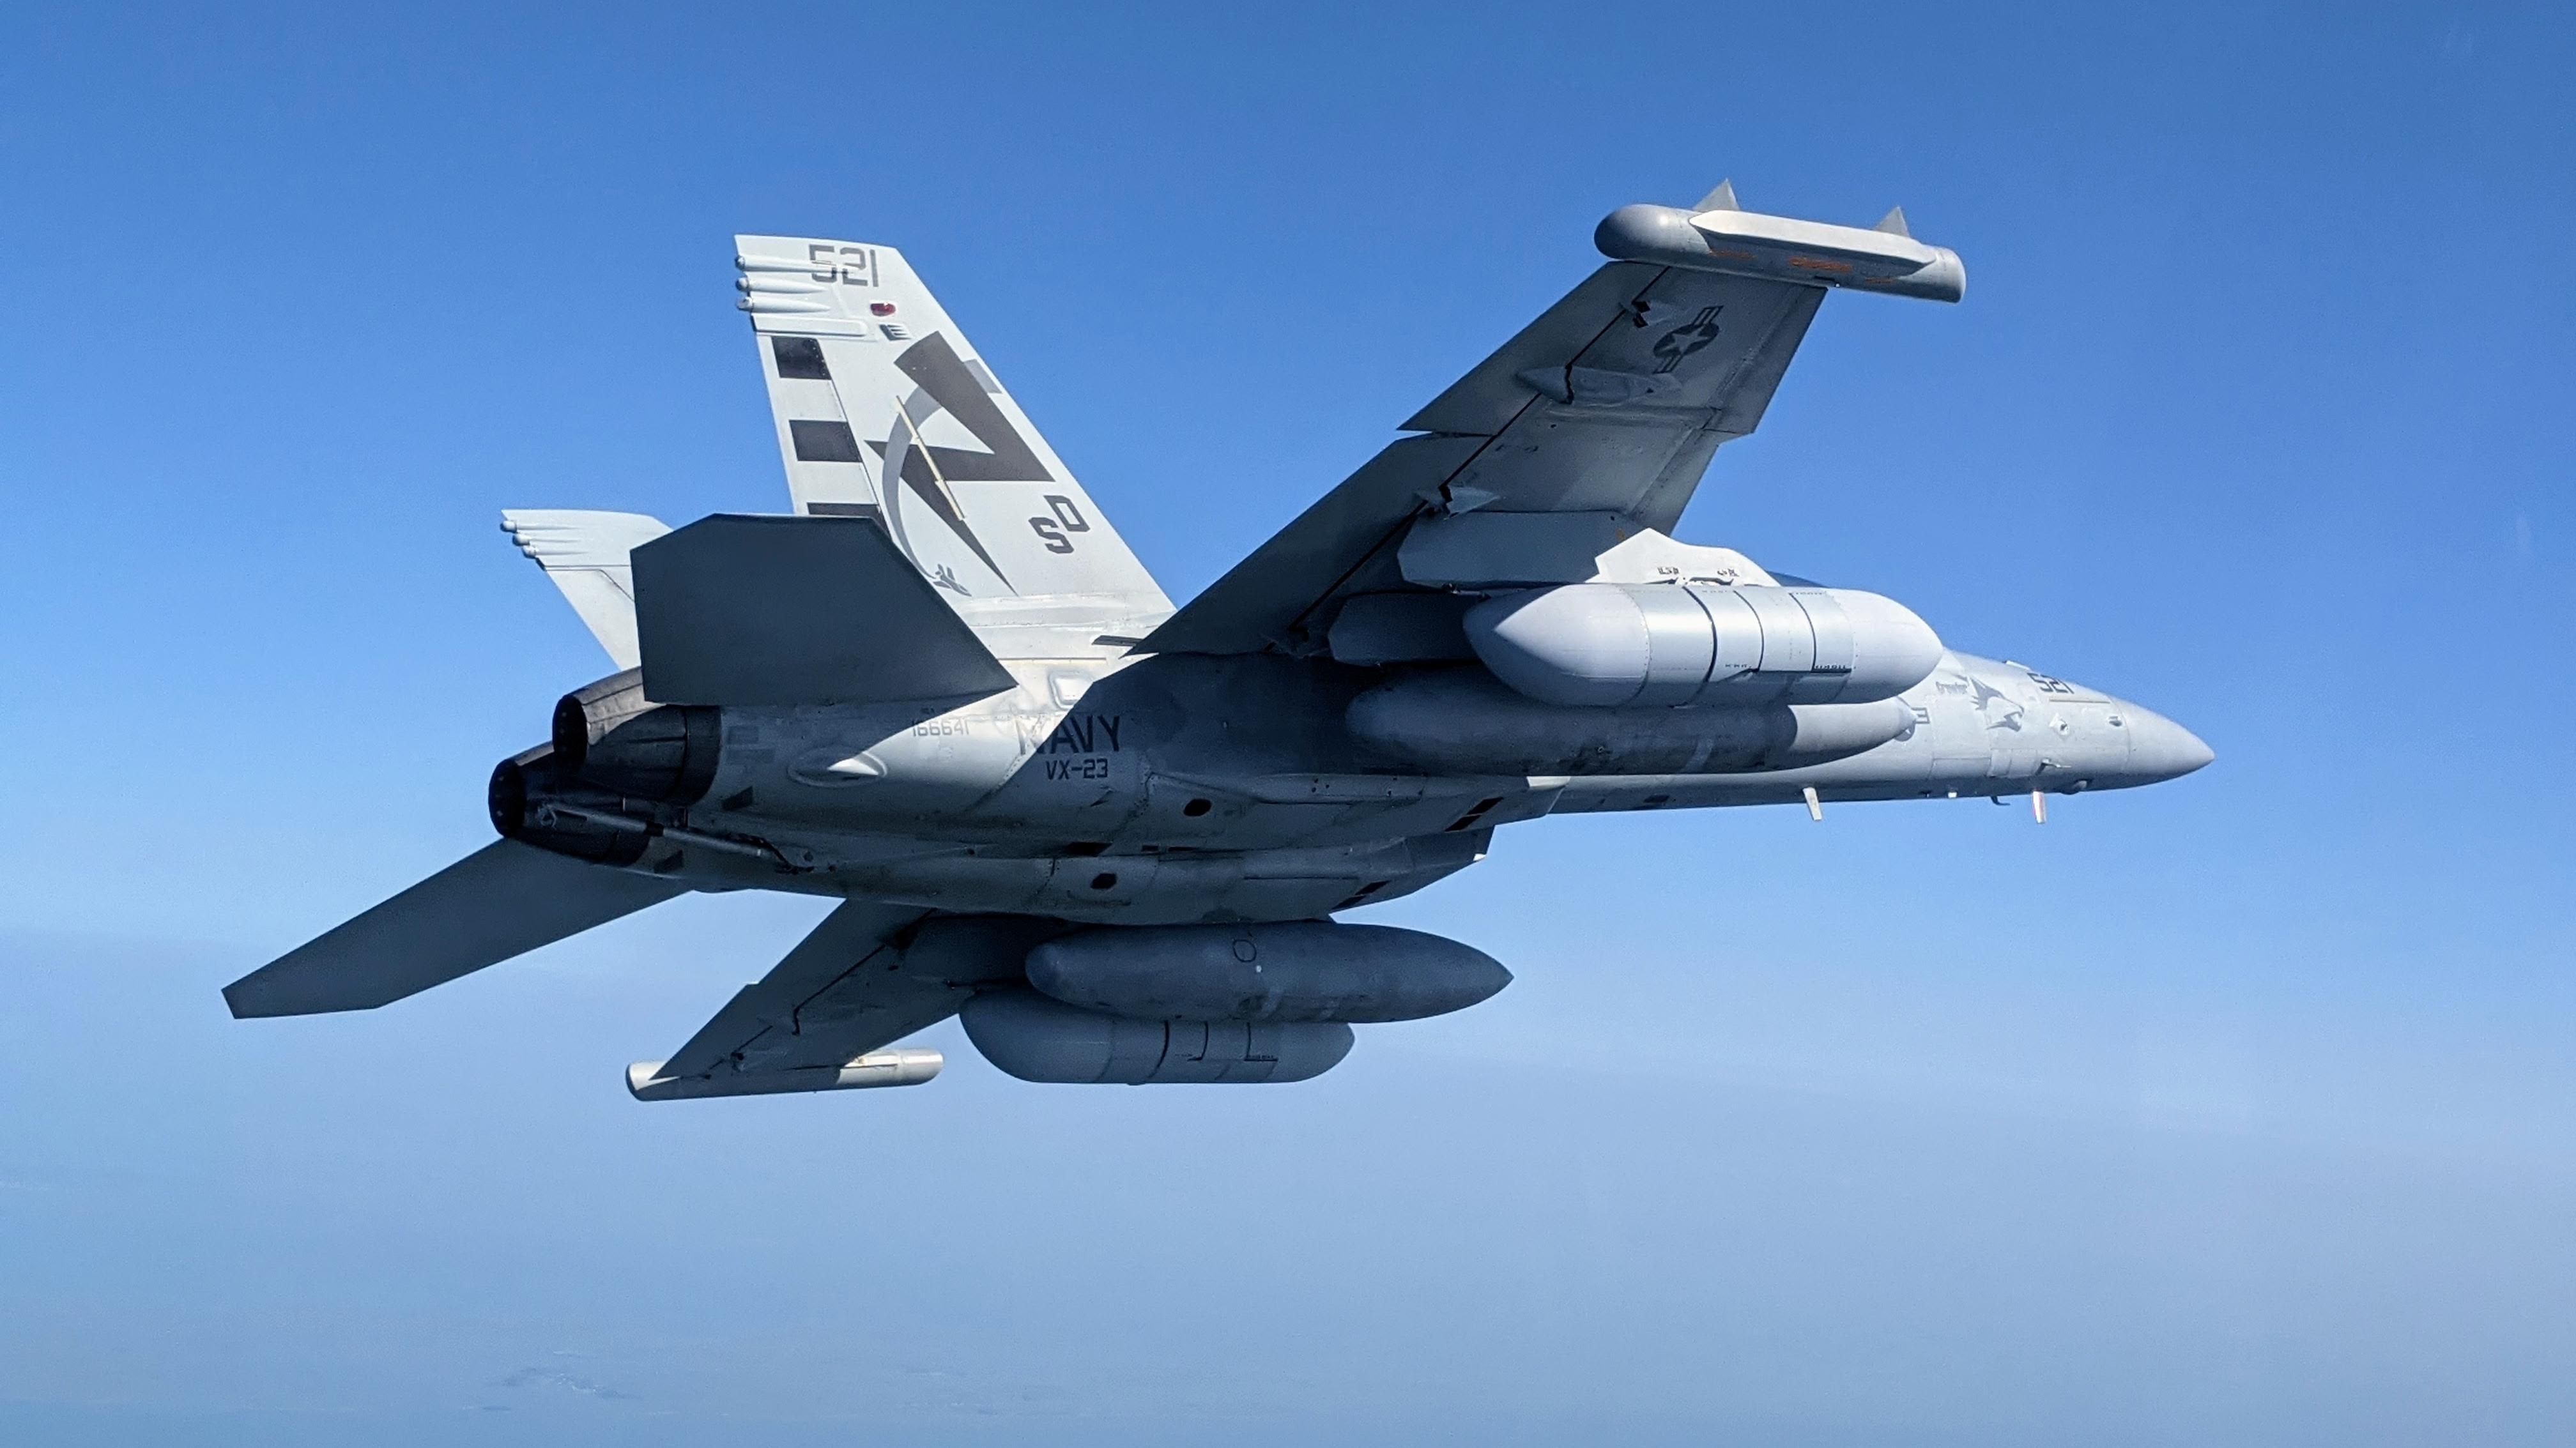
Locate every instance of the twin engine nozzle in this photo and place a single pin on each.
(610, 736)
(611, 748)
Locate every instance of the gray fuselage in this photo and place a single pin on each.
(1177, 788)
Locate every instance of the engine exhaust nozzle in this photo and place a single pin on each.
(608, 735)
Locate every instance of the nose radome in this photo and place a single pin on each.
(2162, 749)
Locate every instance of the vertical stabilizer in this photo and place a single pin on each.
(585, 553)
(885, 411)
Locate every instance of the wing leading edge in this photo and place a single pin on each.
(1611, 403)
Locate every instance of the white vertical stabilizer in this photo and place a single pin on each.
(585, 553)
(884, 410)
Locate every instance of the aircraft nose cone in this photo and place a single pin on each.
(2161, 749)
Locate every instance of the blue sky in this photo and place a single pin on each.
(2235, 1111)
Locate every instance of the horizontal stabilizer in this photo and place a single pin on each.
(742, 609)
(503, 900)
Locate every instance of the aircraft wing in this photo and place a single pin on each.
(869, 975)
(1610, 405)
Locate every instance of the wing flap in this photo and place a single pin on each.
(501, 901)
(1492, 393)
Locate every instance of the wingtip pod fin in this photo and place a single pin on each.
(1721, 199)
(1779, 248)
(1893, 223)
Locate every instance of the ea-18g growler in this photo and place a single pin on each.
(1113, 836)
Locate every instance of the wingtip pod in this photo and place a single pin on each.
(645, 1081)
(1779, 248)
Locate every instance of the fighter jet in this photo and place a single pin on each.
(1114, 836)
